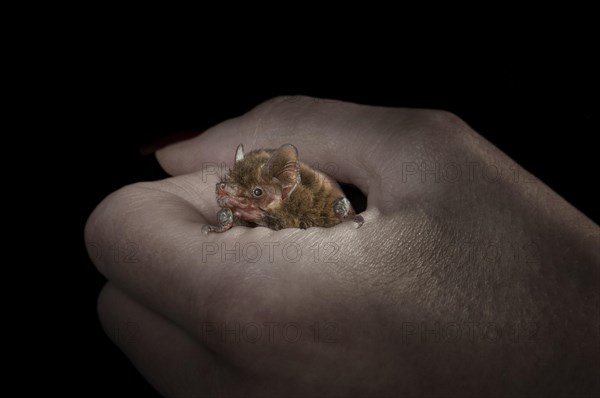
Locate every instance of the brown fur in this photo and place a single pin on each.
(310, 204)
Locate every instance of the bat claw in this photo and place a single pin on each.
(206, 229)
(359, 220)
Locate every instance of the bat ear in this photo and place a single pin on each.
(239, 153)
(285, 168)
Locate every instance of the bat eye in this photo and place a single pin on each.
(257, 192)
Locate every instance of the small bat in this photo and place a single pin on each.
(272, 188)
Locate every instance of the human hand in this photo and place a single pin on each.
(468, 276)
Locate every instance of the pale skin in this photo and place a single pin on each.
(458, 283)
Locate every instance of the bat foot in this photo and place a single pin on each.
(224, 219)
(344, 211)
(359, 221)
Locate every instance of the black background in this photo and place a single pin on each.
(536, 109)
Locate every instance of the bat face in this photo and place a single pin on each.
(259, 182)
(248, 201)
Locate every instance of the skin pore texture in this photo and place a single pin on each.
(461, 282)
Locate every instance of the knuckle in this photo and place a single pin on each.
(445, 120)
